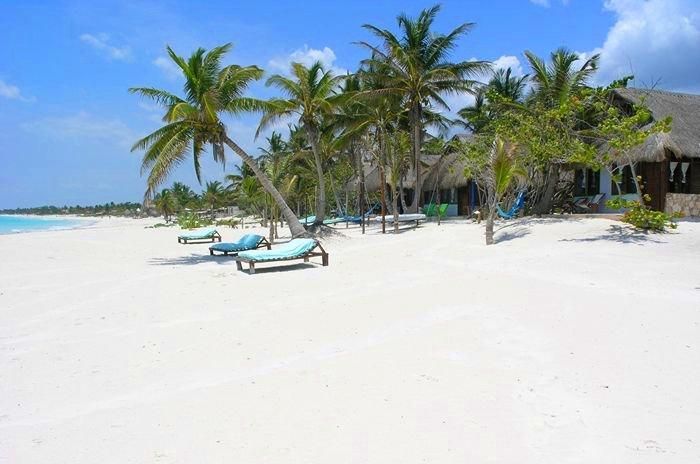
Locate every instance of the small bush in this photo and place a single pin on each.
(192, 221)
(233, 222)
(639, 215)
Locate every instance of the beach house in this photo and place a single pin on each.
(668, 163)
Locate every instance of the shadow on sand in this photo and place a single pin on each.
(620, 234)
(192, 260)
(279, 267)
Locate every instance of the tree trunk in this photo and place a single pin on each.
(395, 206)
(321, 198)
(416, 139)
(489, 227)
(544, 206)
(295, 226)
(404, 206)
(338, 206)
(383, 193)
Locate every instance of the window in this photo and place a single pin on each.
(586, 182)
(684, 176)
(626, 184)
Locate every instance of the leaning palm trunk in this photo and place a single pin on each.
(295, 226)
(321, 198)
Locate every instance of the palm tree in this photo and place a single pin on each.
(213, 195)
(311, 97)
(417, 67)
(554, 84)
(193, 122)
(507, 86)
(502, 171)
(183, 194)
(165, 202)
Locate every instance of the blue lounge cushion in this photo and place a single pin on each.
(246, 242)
(198, 234)
(293, 249)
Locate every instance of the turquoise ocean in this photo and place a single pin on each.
(17, 224)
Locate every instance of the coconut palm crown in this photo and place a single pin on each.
(312, 97)
(192, 123)
(416, 66)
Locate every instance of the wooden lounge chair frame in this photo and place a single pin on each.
(262, 243)
(215, 237)
(309, 254)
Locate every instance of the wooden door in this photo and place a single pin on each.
(655, 183)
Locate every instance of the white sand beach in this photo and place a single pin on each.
(570, 341)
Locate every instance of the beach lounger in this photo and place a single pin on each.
(431, 209)
(245, 243)
(308, 220)
(584, 205)
(204, 235)
(299, 248)
(417, 218)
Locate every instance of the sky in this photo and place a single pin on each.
(68, 121)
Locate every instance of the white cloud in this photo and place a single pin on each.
(656, 40)
(12, 92)
(84, 126)
(170, 69)
(100, 42)
(509, 61)
(307, 56)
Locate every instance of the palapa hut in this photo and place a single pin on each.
(442, 175)
(668, 163)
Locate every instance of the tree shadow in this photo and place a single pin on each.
(277, 267)
(191, 260)
(508, 235)
(620, 234)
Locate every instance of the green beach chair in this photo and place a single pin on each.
(431, 209)
(204, 235)
(299, 248)
(245, 243)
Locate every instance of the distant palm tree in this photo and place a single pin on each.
(183, 195)
(555, 82)
(508, 86)
(417, 67)
(311, 96)
(165, 203)
(193, 122)
(477, 116)
(213, 195)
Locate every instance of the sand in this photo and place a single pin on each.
(570, 341)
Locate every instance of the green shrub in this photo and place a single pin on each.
(233, 222)
(639, 215)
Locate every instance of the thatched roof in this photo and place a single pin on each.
(684, 109)
(448, 173)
